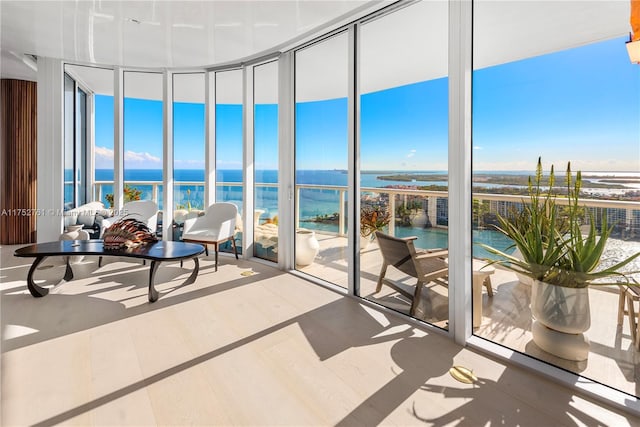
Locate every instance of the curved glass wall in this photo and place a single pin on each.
(403, 159)
(265, 153)
(565, 99)
(321, 154)
(188, 147)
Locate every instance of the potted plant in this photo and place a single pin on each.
(561, 254)
(372, 219)
(130, 194)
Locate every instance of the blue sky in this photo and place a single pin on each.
(580, 105)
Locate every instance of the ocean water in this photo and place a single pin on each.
(313, 202)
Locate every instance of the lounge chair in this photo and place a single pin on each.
(425, 266)
(216, 226)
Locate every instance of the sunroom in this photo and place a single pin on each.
(309, 117)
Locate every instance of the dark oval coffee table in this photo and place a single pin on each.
(156, 252)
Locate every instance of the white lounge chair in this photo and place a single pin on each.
(216, 226)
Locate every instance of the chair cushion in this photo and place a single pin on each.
(204, 235)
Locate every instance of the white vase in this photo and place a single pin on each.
(75, 232)
(563, 309)
(364, 241)
(419, 219)
(561, 316)
(307, 247)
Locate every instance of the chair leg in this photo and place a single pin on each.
(633, 321)
(383, 271)
(621, 300)
(487, 284)
(416, 298)
(235, 250)
(215, 245)
(206, 250)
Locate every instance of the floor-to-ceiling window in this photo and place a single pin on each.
(188, 146)
(403, 155)
(101, 132)
(81, 147)
(545, 86)
(265, 153)
(69, 141)
(75, 141)
(229, 140)
(143, 136)
(321, 159)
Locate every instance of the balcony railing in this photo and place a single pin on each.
(623, 214)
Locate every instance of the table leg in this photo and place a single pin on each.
(153, 294)
(194, 274)
(39, 291)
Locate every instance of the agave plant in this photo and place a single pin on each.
(555, 248)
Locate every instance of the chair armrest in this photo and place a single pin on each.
(442, 253)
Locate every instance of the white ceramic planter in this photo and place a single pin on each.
(561, 316)
(307, 247)
(563, 309)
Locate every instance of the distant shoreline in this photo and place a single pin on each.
(605, 182)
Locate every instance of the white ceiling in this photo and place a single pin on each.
(175, 34)
(162, 34)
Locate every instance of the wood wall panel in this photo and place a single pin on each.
(18, 202)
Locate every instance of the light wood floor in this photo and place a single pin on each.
(247, 345)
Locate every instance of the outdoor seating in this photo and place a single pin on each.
(425, 266)
(628, 297)
(216, 226)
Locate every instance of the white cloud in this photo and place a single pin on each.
(141, 160)
(103, 158)
(477, 147)
(104, 152)
(411, 153)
